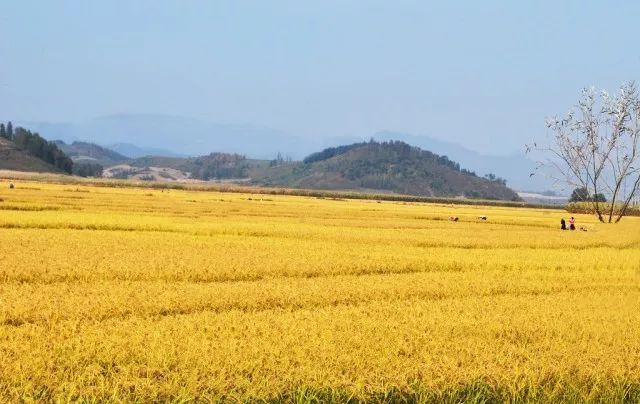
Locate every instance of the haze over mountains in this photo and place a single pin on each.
(136, 135)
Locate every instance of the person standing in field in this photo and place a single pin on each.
(563, 224)
(572, 223)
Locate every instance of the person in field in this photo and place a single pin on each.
(563, 224)
(572, 223)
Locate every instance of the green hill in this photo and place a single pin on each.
(387, 167)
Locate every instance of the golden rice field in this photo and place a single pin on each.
(124, 294)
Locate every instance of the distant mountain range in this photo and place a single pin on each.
(175, 135)
(133, 151)
(137, 135)
(79, 151)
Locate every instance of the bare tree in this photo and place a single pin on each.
(597, 146)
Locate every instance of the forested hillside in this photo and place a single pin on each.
(388, 166)
(21, 147)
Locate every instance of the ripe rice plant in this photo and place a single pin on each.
(142, 294)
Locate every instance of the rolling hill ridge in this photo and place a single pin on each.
(79, 151)
(384, 166)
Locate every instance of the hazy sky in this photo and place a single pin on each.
(481, 73)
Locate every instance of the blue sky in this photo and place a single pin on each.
(481, 73)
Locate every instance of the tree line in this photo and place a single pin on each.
(218, 165)
(37, 146)
(87, 169)
(581, 194)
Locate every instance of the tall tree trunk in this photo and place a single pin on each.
(614, 197)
